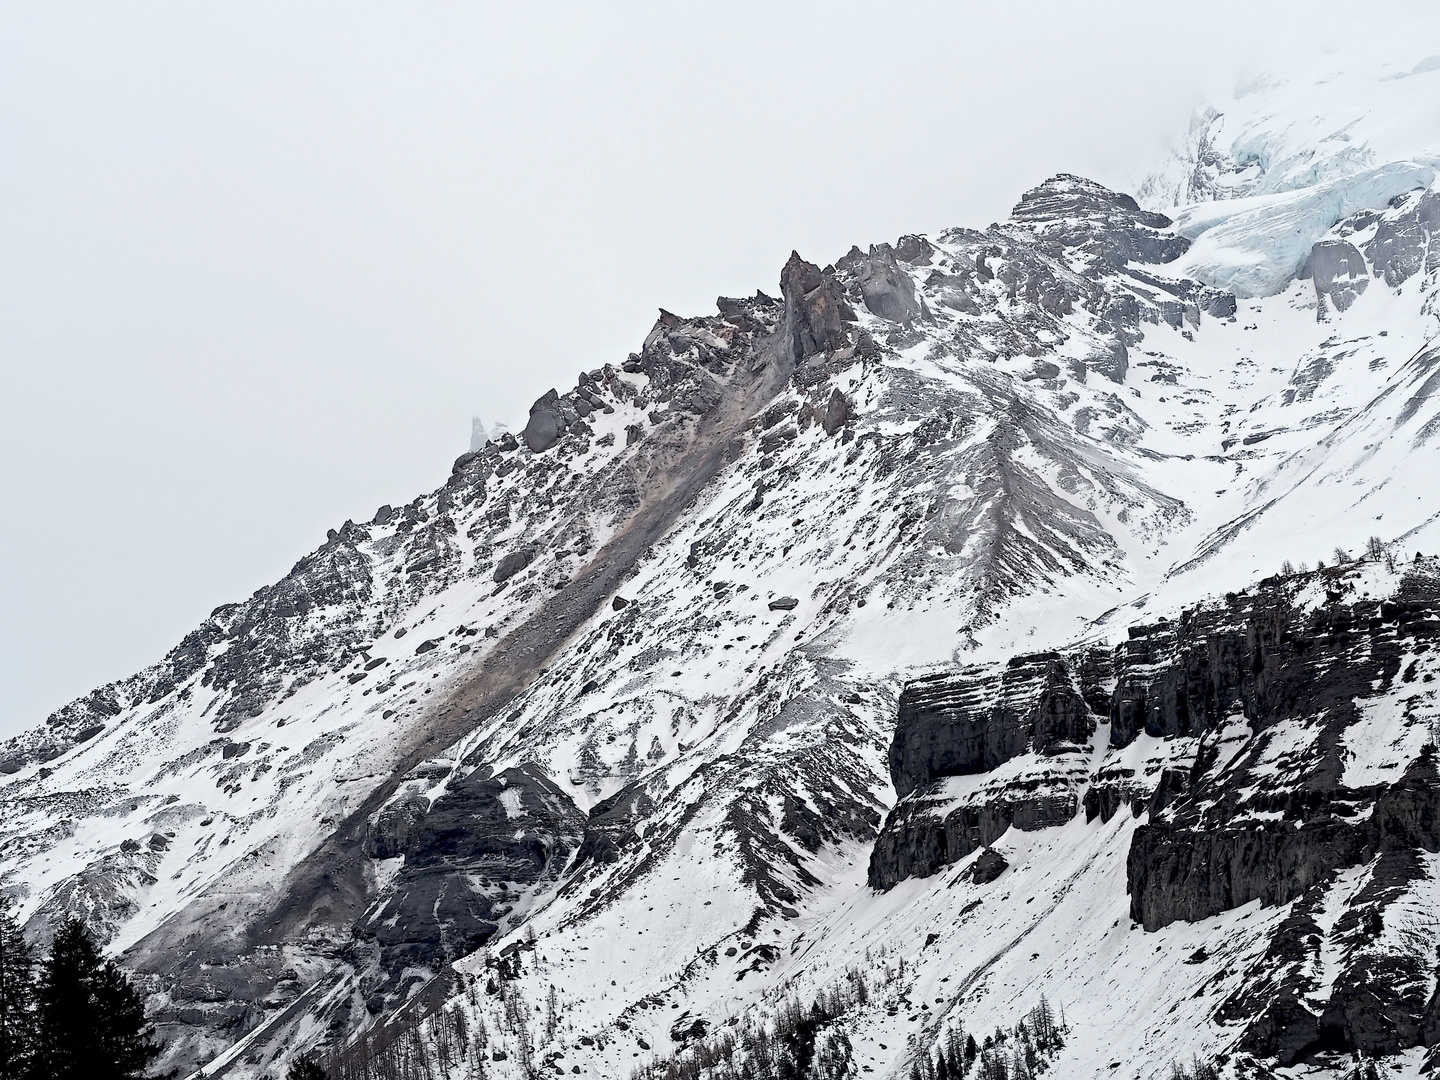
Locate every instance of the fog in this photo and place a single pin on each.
(260, 263)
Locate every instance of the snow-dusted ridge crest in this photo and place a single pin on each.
(615, 709)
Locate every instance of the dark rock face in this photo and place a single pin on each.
(972, 722)
(1339, 273)
(1112, 789)
(927, 831)
(1257, 829)
(1377, 1004)
(614, 824)
(1404, 246)
(395, 827)
(1259, 656)
(1169, 687)
(1407, 814)
(1208, 852)
(1379, 1001)
(468, 856)
(1269, 824)
(977, 719)
(1176, 873)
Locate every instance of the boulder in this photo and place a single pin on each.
(513, 827)
(915, 250)
(687, 1028)
(837, 413)
(511, 564)
(546, 424)
(887, 290)
(988, 866)
(923, 834)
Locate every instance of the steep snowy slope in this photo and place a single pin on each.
(608, 741)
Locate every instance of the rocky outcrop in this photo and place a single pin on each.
(395, 827)
(936, 825)
(1205, 849)
(1405, 245)
(991, 748)
(1216, 848)
(951, 727)
(469, 858)
(1380, 999)
(1092, 219)
(816, 310)
(1258, 655)
(1178, 873)
(614, 825)
(977, 719)
(989, 866)
(1338, 271)
(885, 288)
(837, 412)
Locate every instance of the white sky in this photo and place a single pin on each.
(261, 262)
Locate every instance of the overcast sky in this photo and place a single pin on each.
(261, 262)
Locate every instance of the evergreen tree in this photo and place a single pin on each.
(17, 998)
(955, 1051)
(91, 1021)
(305, 1068)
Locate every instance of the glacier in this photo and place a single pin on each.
(1256, 245)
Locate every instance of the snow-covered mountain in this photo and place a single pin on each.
(850, 668)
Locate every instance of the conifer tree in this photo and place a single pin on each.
(305, 1068)
(91, 1021)
(17, 998)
